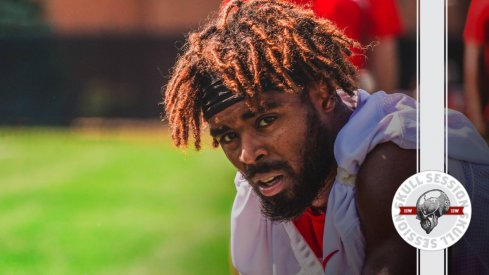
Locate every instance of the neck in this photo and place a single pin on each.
(343, 113)
(322, 199)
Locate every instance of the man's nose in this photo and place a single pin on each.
(252, 150)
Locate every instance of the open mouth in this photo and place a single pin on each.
(271, 186)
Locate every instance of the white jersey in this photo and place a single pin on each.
(260, 246)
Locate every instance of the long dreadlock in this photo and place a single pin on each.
(252, 47)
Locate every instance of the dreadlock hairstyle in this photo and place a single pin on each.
(252, 47)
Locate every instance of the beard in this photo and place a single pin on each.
(318, 161)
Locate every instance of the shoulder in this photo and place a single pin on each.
(379, 177)
(389, 163)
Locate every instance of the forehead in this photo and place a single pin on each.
(271, 100)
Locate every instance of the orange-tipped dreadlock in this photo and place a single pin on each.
(251, 47)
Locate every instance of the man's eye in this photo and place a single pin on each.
(266, 121)
(227, 138)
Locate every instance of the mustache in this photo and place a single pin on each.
(253, 169)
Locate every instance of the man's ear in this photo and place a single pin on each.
(323, 99)
(329, 103)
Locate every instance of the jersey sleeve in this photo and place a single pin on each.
(385, 19)
(477, 22)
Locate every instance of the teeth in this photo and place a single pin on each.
(268, 180)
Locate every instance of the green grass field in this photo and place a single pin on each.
(81, 204)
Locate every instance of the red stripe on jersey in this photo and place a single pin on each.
(311, 227)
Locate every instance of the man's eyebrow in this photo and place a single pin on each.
(268, 106)
(247, 115)
(218, 131)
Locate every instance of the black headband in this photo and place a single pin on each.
(216, 97)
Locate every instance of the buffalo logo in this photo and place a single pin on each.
(430, 206)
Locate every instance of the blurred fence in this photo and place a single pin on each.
(52, 80)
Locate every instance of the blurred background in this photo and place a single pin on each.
(89, 180)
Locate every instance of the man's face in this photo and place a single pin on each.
(284, 151)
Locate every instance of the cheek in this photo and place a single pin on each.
(290, 143)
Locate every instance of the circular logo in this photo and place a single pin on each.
(431, 210)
